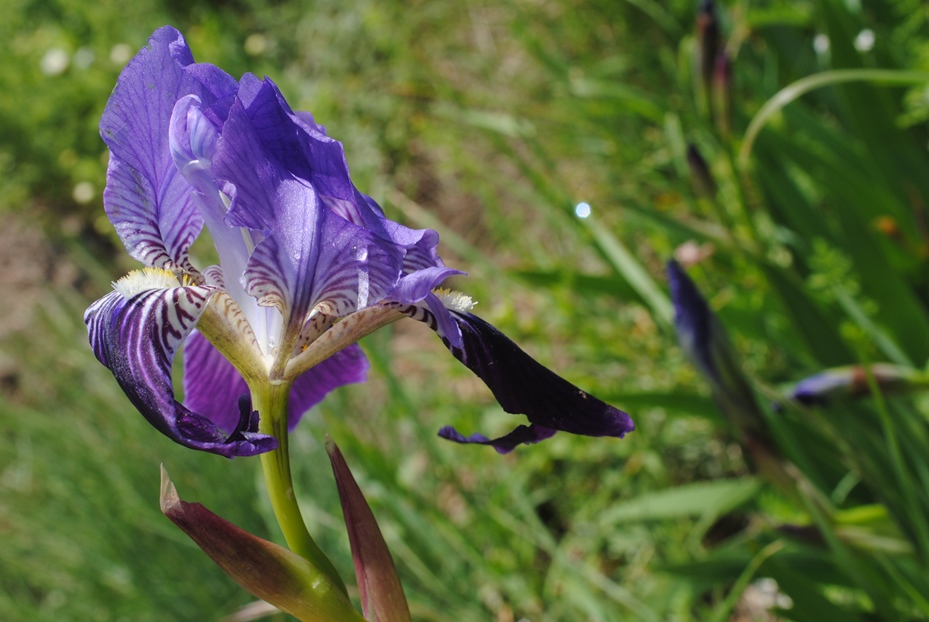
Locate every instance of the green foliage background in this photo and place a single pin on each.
(489, 122)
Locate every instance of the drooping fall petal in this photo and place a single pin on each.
(270, 572)
(521, 435)
(522, 385)
(136, 338)
(382, 597)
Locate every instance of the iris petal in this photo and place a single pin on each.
(137, 338)
(213, 387)
(521, 435)
(522, 385)
(310, 256)
(344, 367)
(146, 199)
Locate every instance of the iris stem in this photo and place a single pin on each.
(270, 401)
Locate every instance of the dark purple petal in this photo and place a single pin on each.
(521, 435)
(146, 199)
(344, 367)
(137, 339)
(697, 326)
(522, 385)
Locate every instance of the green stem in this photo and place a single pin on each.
(270, 400)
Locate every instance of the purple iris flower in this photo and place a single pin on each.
(308, 265)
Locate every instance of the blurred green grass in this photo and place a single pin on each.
(490, 122)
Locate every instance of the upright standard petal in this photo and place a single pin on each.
(145, 198)
(522, 385)
(136, 337)
(309, 256)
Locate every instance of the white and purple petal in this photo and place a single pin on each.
(309, 256)
(146, 199)
(137, 338)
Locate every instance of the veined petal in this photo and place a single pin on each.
(212, 385)
(146, 199)
(309, 256)
(137, 337)
(524, 386)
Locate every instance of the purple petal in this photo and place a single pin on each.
(303, 149)
(137, 339)
(193, 140)
(213, 387)
(414, 287)
(521, 435)
(310, 255)
(522, 385)
(146, 199)
(697, 327)
(703, 339)
(344, 367)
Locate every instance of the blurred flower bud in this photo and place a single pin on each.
(703, 339)
(852, 381)
(707, 42)
(703, 181)
(722, 92)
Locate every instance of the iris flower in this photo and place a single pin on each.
(307, 266)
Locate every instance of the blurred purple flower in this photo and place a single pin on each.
(703, 339)
(308, 265)
(852, 381)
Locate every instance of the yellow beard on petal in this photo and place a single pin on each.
(145, 279)
(454, 301)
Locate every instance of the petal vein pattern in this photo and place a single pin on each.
(137, 339)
